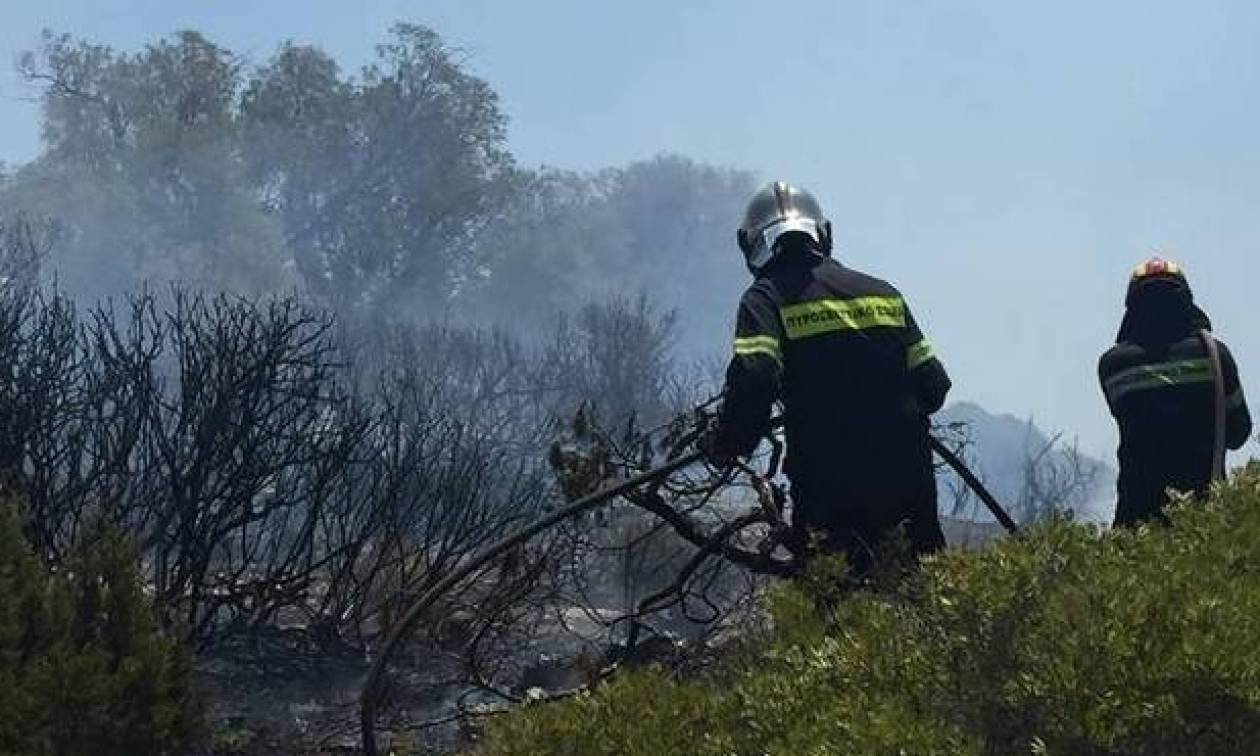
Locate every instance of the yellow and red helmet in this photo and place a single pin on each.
(1158, 266)
(1157, 273)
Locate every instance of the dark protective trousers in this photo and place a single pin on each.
(864, 518)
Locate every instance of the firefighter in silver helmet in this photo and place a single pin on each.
(856, 375)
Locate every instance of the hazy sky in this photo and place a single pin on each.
(1006, 163)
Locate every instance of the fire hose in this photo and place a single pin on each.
(958, 466)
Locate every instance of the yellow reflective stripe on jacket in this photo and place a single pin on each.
(919, 353)
(767, 345)
(830, 315)
(1158, 375)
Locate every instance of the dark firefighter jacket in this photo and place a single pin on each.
(857, 379)
(1158, 383)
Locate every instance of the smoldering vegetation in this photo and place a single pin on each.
(290, 496)
(314, 339)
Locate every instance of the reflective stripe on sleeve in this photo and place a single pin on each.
(765, 345)
(830, 315)
(1157, 375)
(919, 353)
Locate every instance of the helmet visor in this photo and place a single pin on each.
(772, 232)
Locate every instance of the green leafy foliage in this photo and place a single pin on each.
(179, 162)
(1065, 642)
(386, 194)
(142, 169)
(84, 668)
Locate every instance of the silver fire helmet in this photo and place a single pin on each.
(776, 210)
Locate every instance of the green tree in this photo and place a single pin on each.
(84, 667)
(383, 183)
(141, 166)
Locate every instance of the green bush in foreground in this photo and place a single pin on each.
(84, 668)
(1067, 642)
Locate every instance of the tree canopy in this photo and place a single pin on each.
(389, 193)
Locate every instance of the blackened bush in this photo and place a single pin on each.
(84, 668)
(1066, 642)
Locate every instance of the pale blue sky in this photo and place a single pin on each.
(1004, 162)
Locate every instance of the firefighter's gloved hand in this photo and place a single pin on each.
(711, 446)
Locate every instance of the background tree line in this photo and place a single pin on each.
(388, 194)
